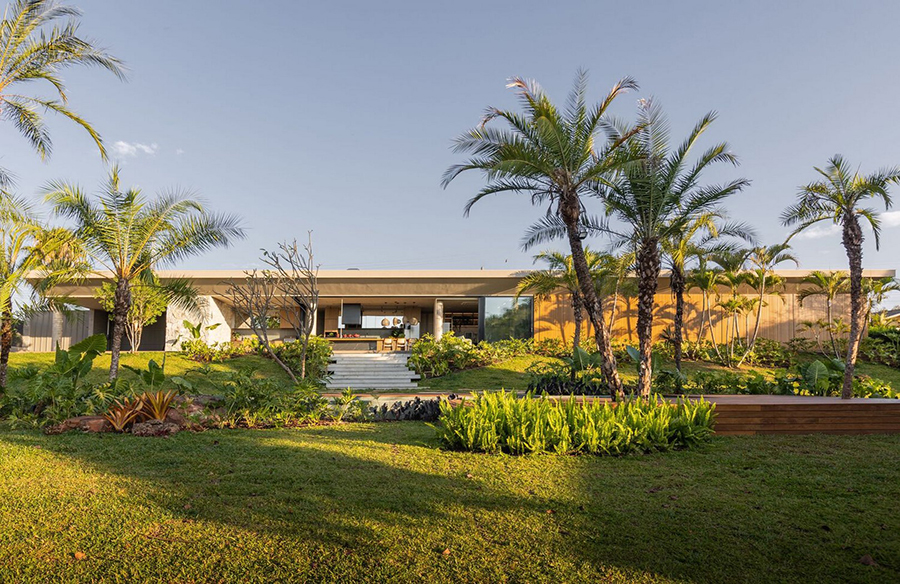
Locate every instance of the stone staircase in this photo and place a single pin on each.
(358, 370)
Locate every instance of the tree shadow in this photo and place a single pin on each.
(383, 501)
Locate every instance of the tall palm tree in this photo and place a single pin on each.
(829, 285)
(763, 279)
(38, 39)
(560, 274)
(657, 194)
(554, 157)
(692, 241)
(732, 273)
(876, 290)
(26, 246)
(707, 280)
(130, 236)
(839, 198)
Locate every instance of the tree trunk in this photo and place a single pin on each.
(648, 265)
(678, 284)
(829, 310)
(121, 304)
(613, 309)
(852, 240)
(578, 316)
(6, 338)
(752, 343)
(712, 331)
(570, 212)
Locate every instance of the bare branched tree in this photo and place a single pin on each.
(288, 289)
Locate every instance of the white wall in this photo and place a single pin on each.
(211, 311)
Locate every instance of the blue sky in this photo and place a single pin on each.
(338, 117)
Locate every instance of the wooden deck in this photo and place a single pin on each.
(774, 414)
(738, 414)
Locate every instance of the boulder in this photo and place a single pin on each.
(154, 428)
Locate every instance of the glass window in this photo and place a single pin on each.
(376, 321)
(505, 317)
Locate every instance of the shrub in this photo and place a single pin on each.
(769, 353)
(123, 413)
(882, 346)
(555, 378)
(318, 355)
(501, 422)
(432, 357)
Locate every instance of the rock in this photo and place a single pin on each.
(868, 560)
(94, 424)
(154, 428)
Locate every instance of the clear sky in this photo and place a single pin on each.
(338, 116)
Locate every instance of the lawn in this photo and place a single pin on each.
(176, 365)
(512, 374)
(381, 503)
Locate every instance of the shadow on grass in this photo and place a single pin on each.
(383, 502)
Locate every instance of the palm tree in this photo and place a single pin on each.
(554, 157)
(26, 247)
(656, 195)
(732, 274)
(560, 273)
(620, 268)
(829, 285)
(129, 236)
(876, 290)
(682, 245)
(36, 46)
(839, 197)
(762, 278)
(707, 280)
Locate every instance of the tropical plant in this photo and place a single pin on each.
(706, 279)
(156, 404)
(829, 285)
(680, 246)
(123, 412)
(129, 236)
(763, 279)
(839, 197)
(657, 193)
(148, 302)
(25, 249)
(503, 422)
(876, 290)
(554, 157)
(36, 46)
(560, 274)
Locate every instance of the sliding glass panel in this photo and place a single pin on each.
(504, 317)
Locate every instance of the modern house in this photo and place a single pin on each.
(359, 307)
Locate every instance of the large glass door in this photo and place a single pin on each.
(505, 317)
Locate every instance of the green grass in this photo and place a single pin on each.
(506, 375)
(512, 374)
(375, 503)
(176, 365)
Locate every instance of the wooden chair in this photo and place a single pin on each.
(402, 344)
(387, 344)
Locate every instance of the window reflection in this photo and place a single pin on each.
(505, 317)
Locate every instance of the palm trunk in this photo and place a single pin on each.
(6, 338)
(648, 265)
(578, 317)
(677, 282)
(570, 212)
(712, 330)
(615, 306)
(828, 310)
(752, 343)
(852, 240)
(121, 304)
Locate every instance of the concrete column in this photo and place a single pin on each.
(438, 319)
(57, 323)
